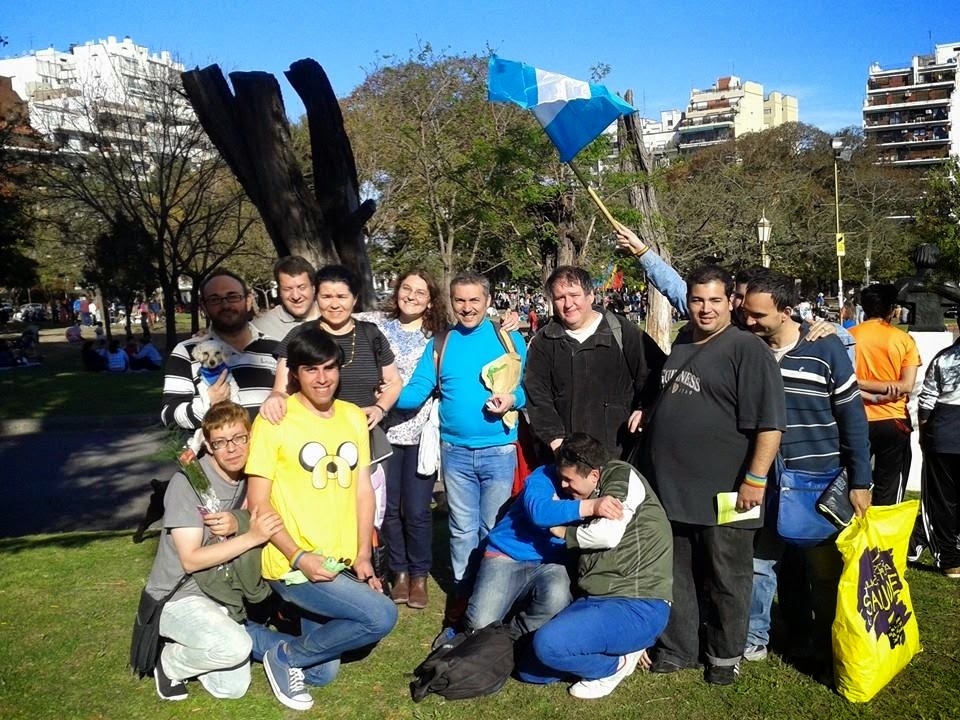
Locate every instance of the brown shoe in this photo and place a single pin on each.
(400, 589)
(952, 573)
(418, 593)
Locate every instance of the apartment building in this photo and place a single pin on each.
(730, 108)
(909, 111)
(103, 90)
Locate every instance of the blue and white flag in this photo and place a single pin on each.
(572, 112)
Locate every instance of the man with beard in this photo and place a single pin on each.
(294, 277)
(826, 429)
(250, 357)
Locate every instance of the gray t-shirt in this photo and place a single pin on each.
(180, 509)
(276, 322)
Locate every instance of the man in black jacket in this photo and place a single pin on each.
(588, 370)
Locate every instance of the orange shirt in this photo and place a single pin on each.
(883, 351)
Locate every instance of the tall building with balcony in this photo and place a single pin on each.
(911, 112)
(729, 109)
(103, 91)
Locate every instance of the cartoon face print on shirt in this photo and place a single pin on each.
(326, 467)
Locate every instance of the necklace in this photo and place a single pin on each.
(336, 338)
(353, 348)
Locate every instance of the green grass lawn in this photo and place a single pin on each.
(67, 604)
(59, 387)
(43, 392)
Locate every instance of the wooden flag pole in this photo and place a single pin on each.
(614, 223)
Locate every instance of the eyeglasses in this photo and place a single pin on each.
(228, 299)
(418, 293)
(236, 441)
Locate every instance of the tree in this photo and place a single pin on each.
(121, 265)
(144, 156)
(445, 166)
(938, 215)
(17, 268)
(712, 200)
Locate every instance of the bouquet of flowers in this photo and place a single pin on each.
(187, 459)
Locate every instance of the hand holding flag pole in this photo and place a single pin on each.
(573, 113)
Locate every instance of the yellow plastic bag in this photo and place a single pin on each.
(875, 633)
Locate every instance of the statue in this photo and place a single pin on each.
(923, 295)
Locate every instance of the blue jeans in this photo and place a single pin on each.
(478, 483)
(501, 582)
(764, 589)
(587, 639)
(767, 553)
(407, 524)
(337, 616)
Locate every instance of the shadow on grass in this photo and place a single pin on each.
(62, 540)
(77, 482)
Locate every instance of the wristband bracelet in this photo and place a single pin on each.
(643, 252)
(756, 481)
(296, 559)
(378, 405)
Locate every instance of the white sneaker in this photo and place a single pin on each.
(593, 689)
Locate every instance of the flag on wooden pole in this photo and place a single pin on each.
(572, 112)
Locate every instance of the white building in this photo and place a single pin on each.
(662, 136)
(103, 89)
(909, 112)
(730, 108)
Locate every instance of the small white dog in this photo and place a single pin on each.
(213, 357)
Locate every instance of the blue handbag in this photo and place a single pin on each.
(798, 491)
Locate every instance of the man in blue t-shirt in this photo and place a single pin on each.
(476, 444)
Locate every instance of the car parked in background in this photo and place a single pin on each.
(30, 312)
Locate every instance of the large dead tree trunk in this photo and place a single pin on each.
(635, 158)
(250, 129)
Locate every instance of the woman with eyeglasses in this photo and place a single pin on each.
(415, 312)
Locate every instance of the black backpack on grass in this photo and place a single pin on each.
(471, 664)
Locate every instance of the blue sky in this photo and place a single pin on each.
(815, 49)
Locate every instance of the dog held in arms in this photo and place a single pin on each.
(213, 357)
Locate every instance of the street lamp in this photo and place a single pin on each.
(763, 235)
(839, 152)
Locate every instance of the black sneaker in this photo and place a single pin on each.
(168, 689)
(663, 666)
(722, 674)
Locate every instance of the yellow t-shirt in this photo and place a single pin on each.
(314, 465)
(882, 352)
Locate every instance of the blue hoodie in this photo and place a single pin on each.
(524, 532)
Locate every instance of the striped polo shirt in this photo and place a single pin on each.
(254, 369)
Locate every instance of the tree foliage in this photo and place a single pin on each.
(938, 215)
(713, 199)
(146, 158)
(460, 182)
(17, 268)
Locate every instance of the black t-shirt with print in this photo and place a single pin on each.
(701, 438)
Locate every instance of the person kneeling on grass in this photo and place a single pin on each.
(524, 564)
(314, 469)
(624, 575)
(208, 637)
